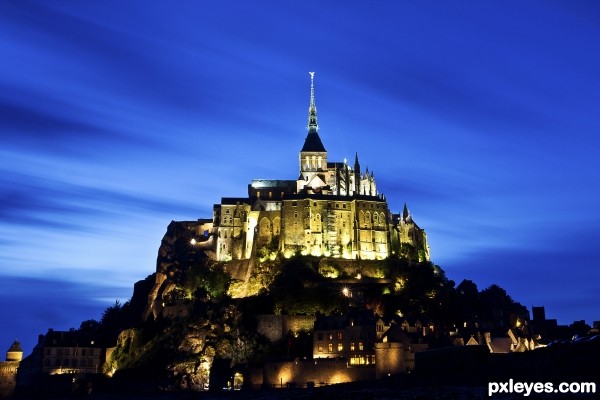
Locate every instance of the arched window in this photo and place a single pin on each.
(265, 227)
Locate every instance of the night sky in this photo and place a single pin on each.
(117, 118)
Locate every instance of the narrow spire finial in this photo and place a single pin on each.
(312, 88)
(312, 109)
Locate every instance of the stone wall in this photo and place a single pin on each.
(8, 376)
(301, 373)
(270, 326)
(275, 327)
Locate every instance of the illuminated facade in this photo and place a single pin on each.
(61, 352)
(332, 209)
(351, 337)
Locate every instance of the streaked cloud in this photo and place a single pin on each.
(116, 119)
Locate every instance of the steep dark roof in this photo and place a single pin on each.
(313, 142)
(16, 346)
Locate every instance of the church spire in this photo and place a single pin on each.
(313, 141)
(312, 109)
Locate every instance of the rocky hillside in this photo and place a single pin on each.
(199, 311)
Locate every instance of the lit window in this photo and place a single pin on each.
(361, 347)
(330, 336)
(339, 335)
(352, 346)
(331, 347)
(340, 347)
(320, 349)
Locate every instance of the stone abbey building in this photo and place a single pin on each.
(332, 209)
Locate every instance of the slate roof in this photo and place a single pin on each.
(313, 142)
(16, 346)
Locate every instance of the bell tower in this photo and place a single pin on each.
(313, 156)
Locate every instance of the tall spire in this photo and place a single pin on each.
(313, 142)
(312, 109)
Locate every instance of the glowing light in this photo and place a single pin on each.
(358, 276)
(346, 291)
(193, 242)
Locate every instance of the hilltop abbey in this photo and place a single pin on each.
(332, 209)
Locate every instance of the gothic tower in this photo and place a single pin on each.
(313, 156)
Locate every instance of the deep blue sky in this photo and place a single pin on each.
(117, 118)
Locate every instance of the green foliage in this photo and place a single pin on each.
(299, 289)
(269, 251)
(202, 279)
(328, 270)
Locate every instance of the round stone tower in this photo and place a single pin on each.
(15, 353)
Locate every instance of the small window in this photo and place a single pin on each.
(339, 335)
(361, 347)
(344, 205)
(294, 203)
(352, 346)
(320, 349)
(340, 347)
(330, 347)
(330, 336)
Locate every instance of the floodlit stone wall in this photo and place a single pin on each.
(301, 373)
(275, 327)
(8, 376)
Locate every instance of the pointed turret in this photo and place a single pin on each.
(406, 214)
(356, 174)
(15, 352)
